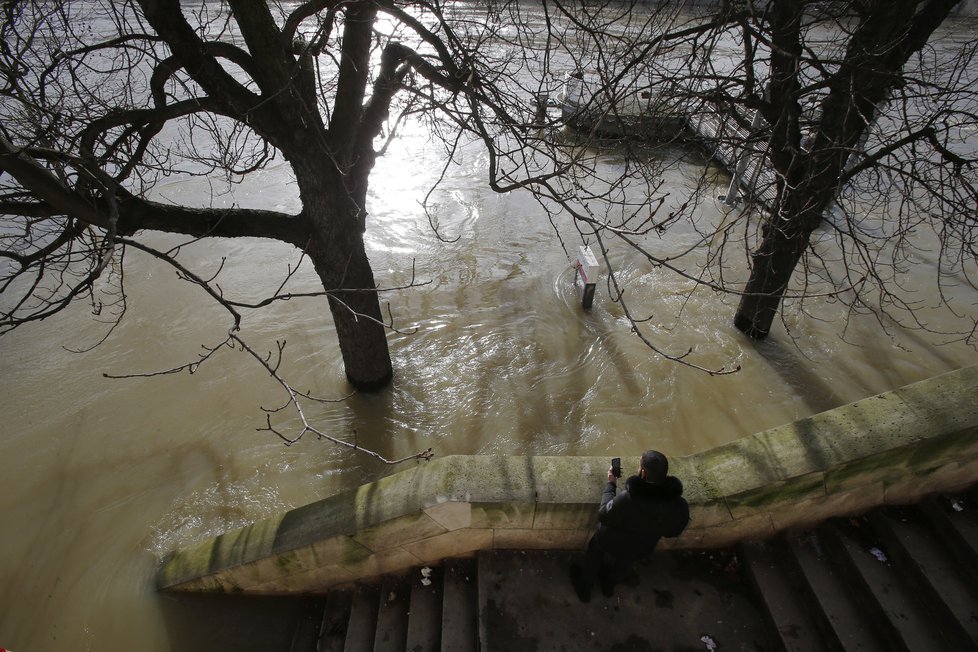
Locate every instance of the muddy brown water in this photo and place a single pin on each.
(100, 477)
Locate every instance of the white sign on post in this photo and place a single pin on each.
(587, 269)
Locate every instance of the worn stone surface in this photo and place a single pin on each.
(391, 560)
(792, 491)
(758, 525)
(682, 601)
(451, 544)
(503, 515)
(952, 477)
(451, 516)
(540, 539)
(413, 526)
(310, 581)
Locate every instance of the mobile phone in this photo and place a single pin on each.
(616, 467)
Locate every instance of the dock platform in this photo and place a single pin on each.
(632, 113)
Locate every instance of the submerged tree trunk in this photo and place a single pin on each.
(887, 35)
(336, 204)
(783, 243)
(773, 264)
(355, 307)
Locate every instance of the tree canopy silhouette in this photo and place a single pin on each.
(867, 128)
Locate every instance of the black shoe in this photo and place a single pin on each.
(607, 583)
(577, 580)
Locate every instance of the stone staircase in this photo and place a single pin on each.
(411, 612)
(898, 578)
(895, 579)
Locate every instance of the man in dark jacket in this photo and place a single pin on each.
(631, 523)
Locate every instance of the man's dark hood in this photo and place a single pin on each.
(642, 514)
(671, 487)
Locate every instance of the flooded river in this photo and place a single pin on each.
(99, 477)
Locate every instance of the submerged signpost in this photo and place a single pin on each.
(587, 270)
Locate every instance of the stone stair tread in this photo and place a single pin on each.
(955, 519)
(459, 631)
(907, 625)
(938, 580)
(392, 615)
(336, 620)
(790, 617)
(683, 601)
(361, 631)
(842, 615)
(305, 634)
(424, 617)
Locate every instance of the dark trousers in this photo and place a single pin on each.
(616, 568)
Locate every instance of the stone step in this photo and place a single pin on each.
(931, 571)
(459, 627)
(305, 634)
(336, 620)
(424, 621)
(782, 602)
(880, 586)
(954, 518)
(683, 600)
(392, 615)
(362, 628)
(839, 615)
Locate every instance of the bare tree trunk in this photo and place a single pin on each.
(772, 266)
(336, 205)
(784, 242)
(354, 304)
(888, 34)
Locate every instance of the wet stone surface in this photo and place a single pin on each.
(682, 601)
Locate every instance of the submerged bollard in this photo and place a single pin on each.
(587, 270)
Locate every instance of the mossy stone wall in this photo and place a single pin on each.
(892, 448)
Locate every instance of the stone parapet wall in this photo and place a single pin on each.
(892, 448)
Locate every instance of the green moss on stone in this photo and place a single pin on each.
(185, 564)
(777, 496)
(287, 563)
(960, 445)
(883, 465)
(351, 552)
